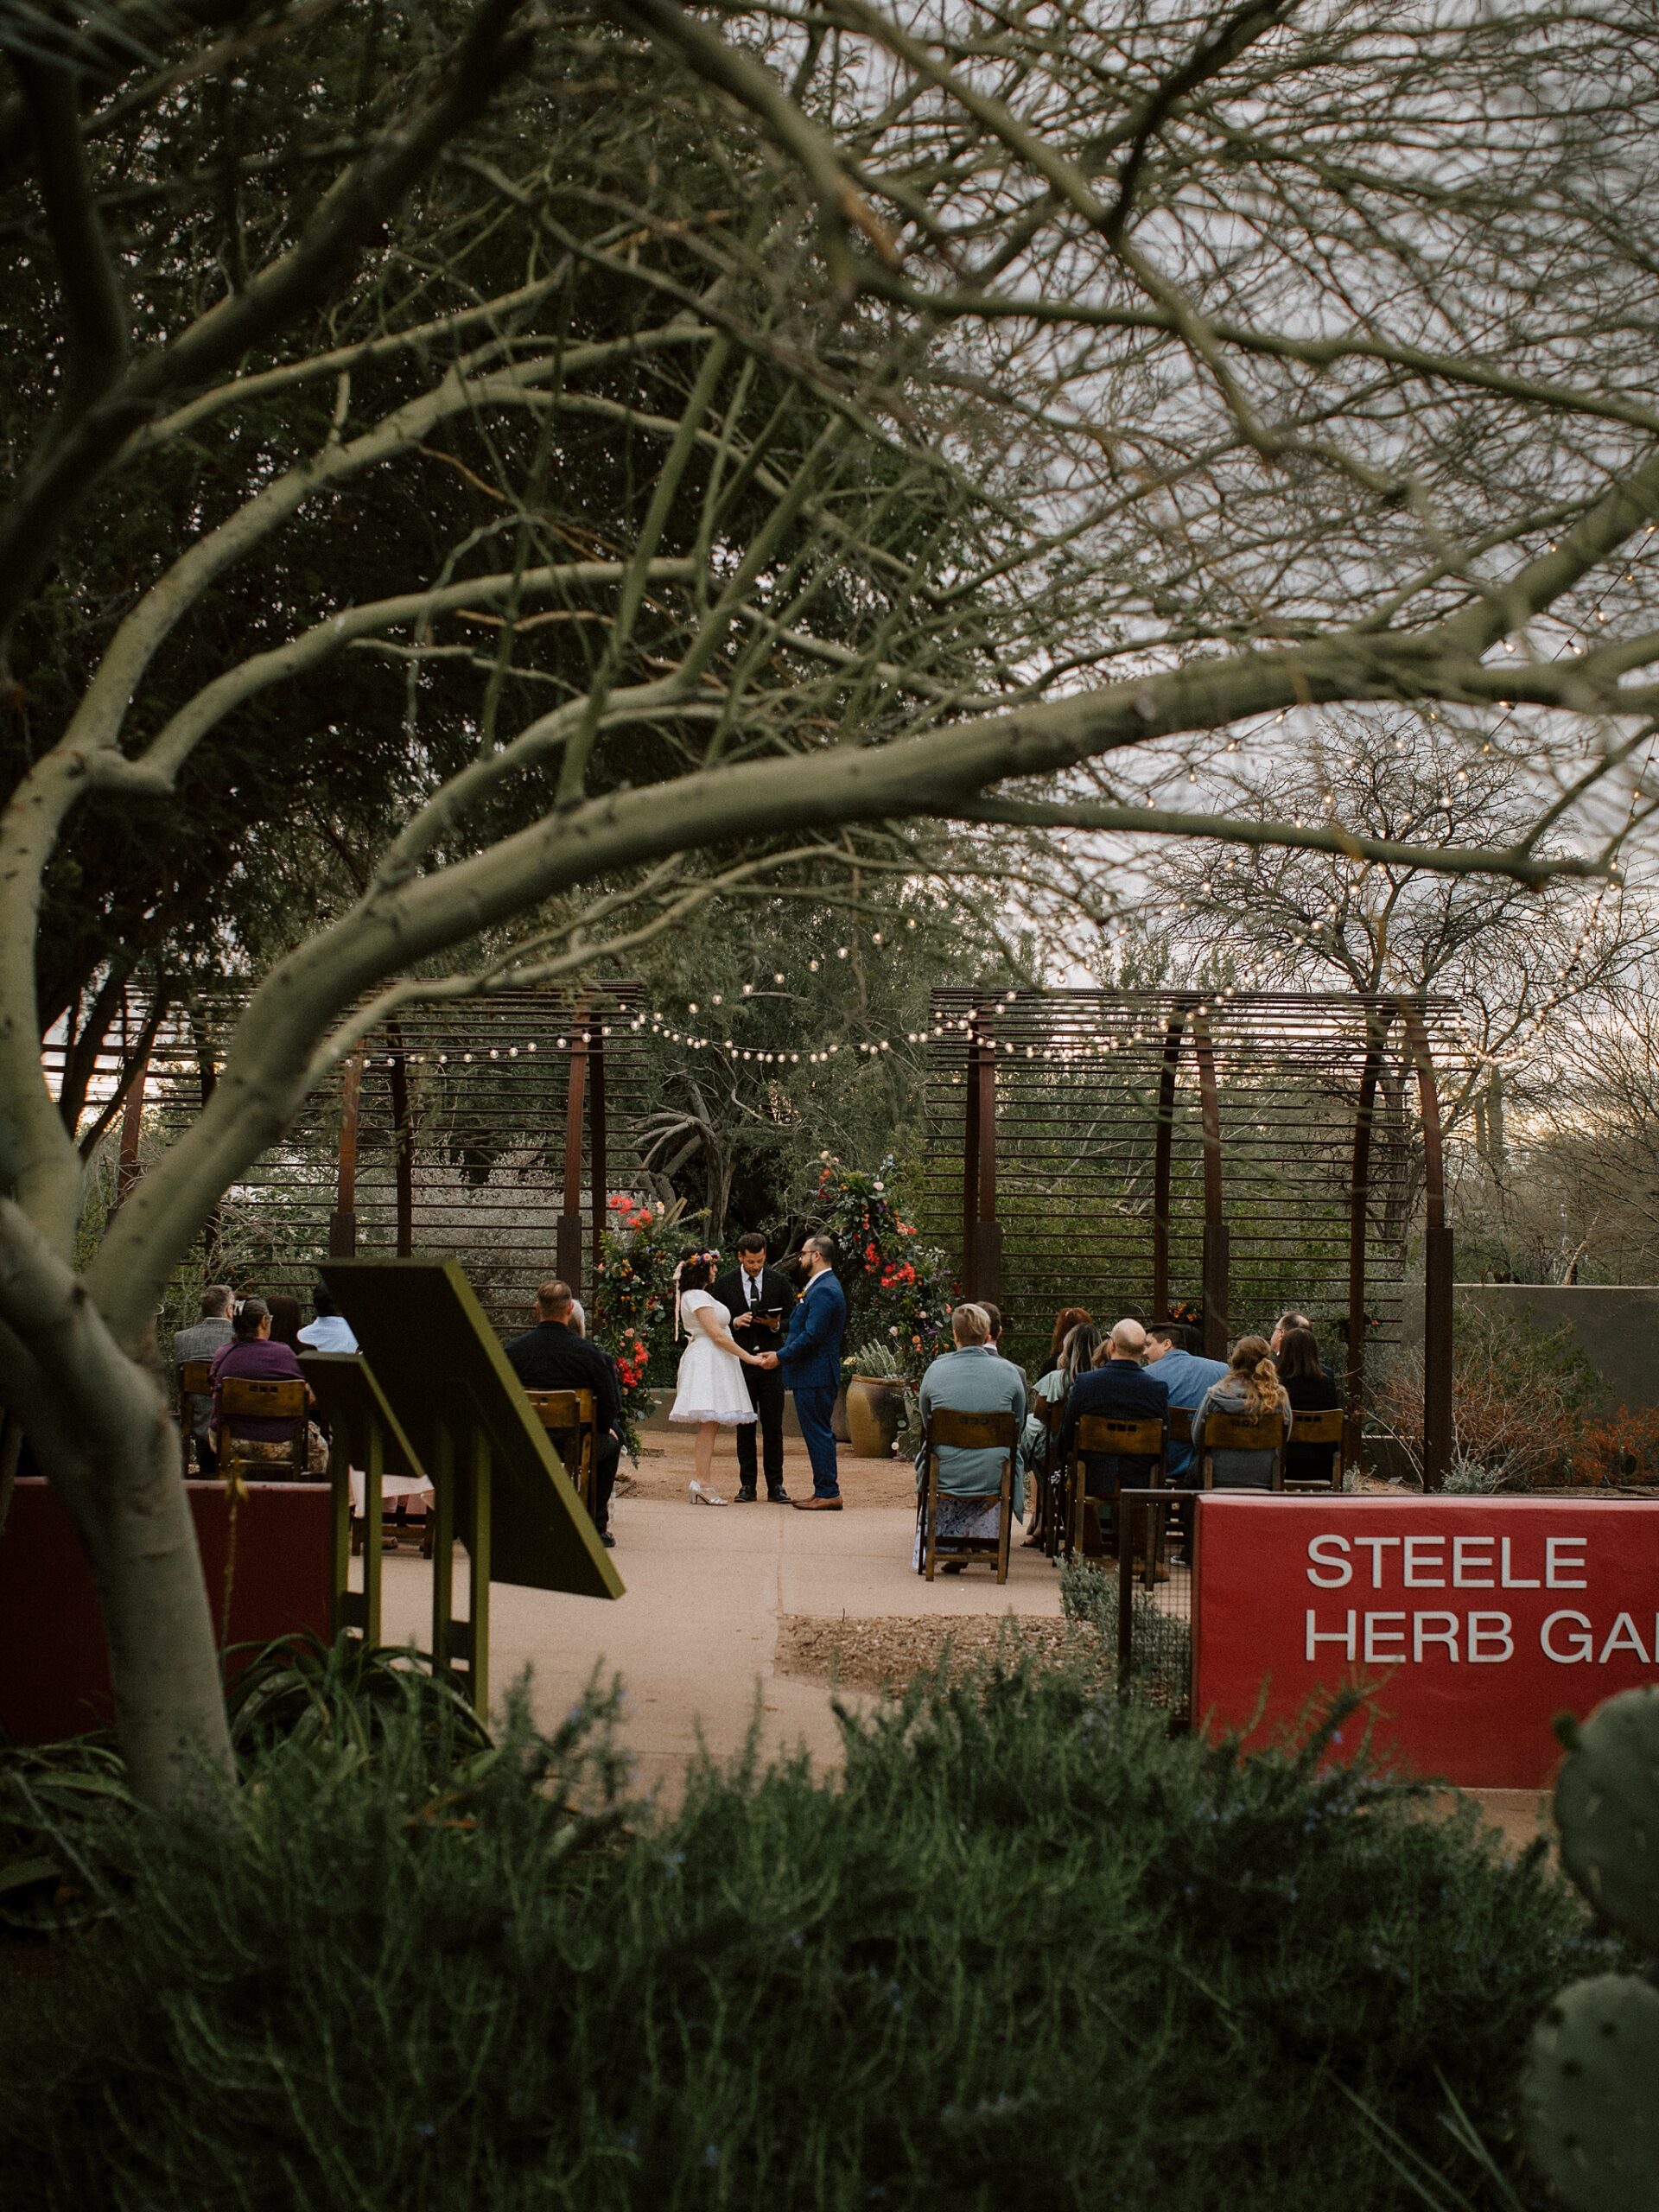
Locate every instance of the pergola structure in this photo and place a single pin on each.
(1210, 1158)
(484, 1128)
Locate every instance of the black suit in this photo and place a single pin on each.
(773, 1293)
(1118, 1389)
(552, 1357)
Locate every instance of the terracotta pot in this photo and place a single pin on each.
(874, 1408)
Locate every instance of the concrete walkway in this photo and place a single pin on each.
(696, 1636)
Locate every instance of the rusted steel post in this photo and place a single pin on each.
(1217, 1241)
(342, 1223)
(1163, 1162)
(970, 1148)
(596, 1162)
(1438, 1260)
(989, 1275)
(1359, 1199)
(402, 1159)
(569, 1237)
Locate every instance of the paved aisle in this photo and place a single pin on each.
(695, 1637)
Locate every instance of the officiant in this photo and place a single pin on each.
(758, 1297)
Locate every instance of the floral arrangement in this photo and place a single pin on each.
(898, 1290)
(633, 1299)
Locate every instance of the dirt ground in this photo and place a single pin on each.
(885, 1653)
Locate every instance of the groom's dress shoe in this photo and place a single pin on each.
(816, 1504)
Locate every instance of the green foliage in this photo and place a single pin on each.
(1160, 1644)
(1028, 1950)
(1520, 1400)
(1593, 2124)
(633, 1290)
(347, 1697)
(897, 1288)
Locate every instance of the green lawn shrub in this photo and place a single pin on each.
(1028, 1950)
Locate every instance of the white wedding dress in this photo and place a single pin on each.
(711, 1385)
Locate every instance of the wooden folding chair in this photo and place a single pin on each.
(195, 1381)
(972, 1432)
(1051, 1490)
(1322, 1427)
(1232, 1432)
(241, 1397)
(1145, 1439)
(571, 1419)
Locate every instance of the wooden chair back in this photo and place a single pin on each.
(1181, 1425)
(195, 1381)
(1234, 1432)
(572, 1414)
(1325, 1428)
(1051, 1492)
(1142, 1439)
(972, 1433)
(247, 1397)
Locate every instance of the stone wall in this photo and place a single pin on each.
(1616, 1326)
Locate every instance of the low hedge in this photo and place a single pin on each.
(1028, 1951)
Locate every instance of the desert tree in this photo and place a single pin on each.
(900, 421)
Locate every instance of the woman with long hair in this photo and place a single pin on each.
(1311, 1388)
(712, 1393)
(1251, 1391)
(1068, 1317)
(1076, 1356)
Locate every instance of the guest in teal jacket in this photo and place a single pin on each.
(974, 1378)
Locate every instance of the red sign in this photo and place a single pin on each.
(1472, 1622)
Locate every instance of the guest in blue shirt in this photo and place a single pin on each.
(1117, 1388)
(1185, 1378)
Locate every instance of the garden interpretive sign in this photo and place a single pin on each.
(1470, 1622)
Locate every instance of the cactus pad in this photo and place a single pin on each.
(1592, 2113)
(1607, 1808)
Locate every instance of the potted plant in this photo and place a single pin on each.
(875, 1399)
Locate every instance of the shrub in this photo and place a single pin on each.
(1030, 1951)
(632, 1313)
(1519, 1395)
(899, 1290)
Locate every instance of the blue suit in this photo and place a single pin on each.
(810, 1361)
(1187, 1377)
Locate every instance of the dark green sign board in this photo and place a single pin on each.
(500, 1486)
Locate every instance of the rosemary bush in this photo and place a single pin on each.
(1028, 1951)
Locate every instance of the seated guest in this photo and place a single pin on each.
(1077, 1357)
(253, 1356)
(1282, 1325)
(1068, 1317)
(1116, 1388)
(973, 1378)
(994, 1315)
(1187, 1377)
(1251, 1391)
(200, 1341)
(553, 1357)
(331, 1330)
(1311, 1390)
(285, 1319)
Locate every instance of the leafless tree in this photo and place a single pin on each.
(1050, 388)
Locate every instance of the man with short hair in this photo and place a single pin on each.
(552, 1357)
(1185, 1378)
(1282, 1327)
(809, 1360)
(973, 1378)
(1117, 1388)
(200, 1341)
(759, 1299)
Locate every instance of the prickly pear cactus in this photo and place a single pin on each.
(1593, 2075)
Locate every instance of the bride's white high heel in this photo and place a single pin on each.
(701, 1494)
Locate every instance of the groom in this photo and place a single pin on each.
(809, 1358)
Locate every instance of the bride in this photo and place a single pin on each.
(712, 1391)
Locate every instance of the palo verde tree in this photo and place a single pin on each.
(902, 421)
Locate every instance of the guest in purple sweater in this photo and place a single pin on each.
(251, 1353)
